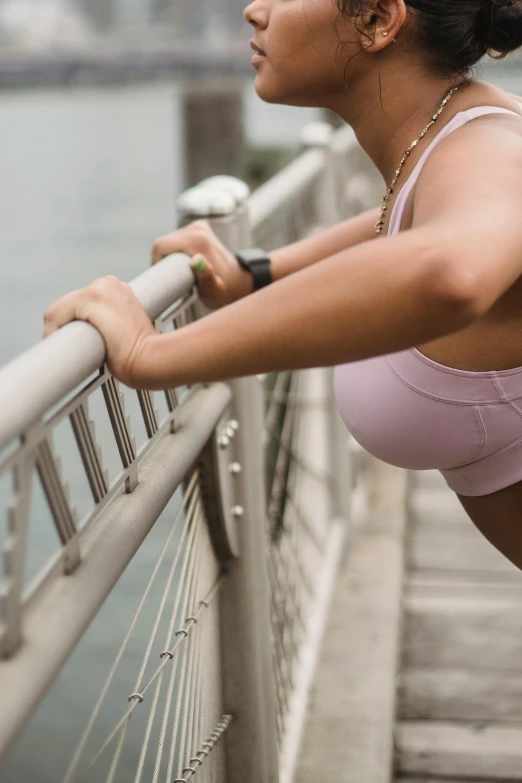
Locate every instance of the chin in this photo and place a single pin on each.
(271, 94)
(267, 92)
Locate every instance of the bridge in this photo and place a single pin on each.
(311, 614)
(119, 63)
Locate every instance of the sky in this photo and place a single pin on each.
(175, 12)
(27, 21)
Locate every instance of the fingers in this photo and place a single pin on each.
(77, 305)
(201, 267)
(62, 312)
(159, 250)
(194, 238)
(112, 308)
(209, 282)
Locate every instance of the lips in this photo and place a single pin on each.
(257, 48)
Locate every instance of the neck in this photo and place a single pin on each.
(388, 122)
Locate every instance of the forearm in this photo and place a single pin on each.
(375, 299)
(299, 255)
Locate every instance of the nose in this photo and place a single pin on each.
(256, 14)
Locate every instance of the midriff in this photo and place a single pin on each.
(493, 343)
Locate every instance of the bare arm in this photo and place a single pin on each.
(376, 298)
(342, 236)
(460, 256)
(222, 281)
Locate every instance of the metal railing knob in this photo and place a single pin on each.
(238, 189)
(223, 441)
(205, 202)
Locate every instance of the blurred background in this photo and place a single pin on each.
(67, 24)
(108, 109)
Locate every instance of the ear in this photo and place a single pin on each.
(381, 23)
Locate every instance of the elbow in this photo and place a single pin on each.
(456, 292)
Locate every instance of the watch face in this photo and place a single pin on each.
(257, 262)
(254, 254)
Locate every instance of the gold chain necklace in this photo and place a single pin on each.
(389, 193)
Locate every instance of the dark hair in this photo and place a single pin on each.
(456, 34)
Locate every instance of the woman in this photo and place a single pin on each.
(420, 301)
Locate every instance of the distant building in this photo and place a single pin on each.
(99, 12)
(234, 10)
(62, 24)
(199, 19)
(43, 25)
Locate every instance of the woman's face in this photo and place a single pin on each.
(305, 63)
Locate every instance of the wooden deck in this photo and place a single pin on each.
(460, 687)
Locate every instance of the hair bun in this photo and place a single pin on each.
(499, 26)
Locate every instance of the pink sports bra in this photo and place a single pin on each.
(410, 411)
(458, 121)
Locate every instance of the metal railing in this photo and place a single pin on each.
(259, 470)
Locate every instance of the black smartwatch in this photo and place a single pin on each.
(257, 262)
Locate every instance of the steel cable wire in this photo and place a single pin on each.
(182, 695)
(83, 740)
(141, 764)
(119, 748)
(208, 600)
(181, 604)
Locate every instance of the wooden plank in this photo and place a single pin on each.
(454, 750)
(442, 537)
(443, 780)
(462, 656)
(476, 587)
(433, 504)
(349, 735)
(450, 547)
(429, 479)
(473, 582)
(461, 695)
(445, 632)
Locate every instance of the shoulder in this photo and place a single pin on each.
(476, 169)
(468, 202)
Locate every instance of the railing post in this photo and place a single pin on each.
(214, 145)
(249, 690)
(335, 196)
(319, 135)
(341, 463)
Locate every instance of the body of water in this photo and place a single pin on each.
(89, 180)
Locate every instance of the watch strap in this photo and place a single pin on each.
(257, 262)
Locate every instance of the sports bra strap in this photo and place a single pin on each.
(458, 121)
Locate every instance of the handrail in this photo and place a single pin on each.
(67, 358)
(295, 177)
(255, 707)
(64, 607)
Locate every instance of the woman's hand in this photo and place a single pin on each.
(220, 279)
(112, 307)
